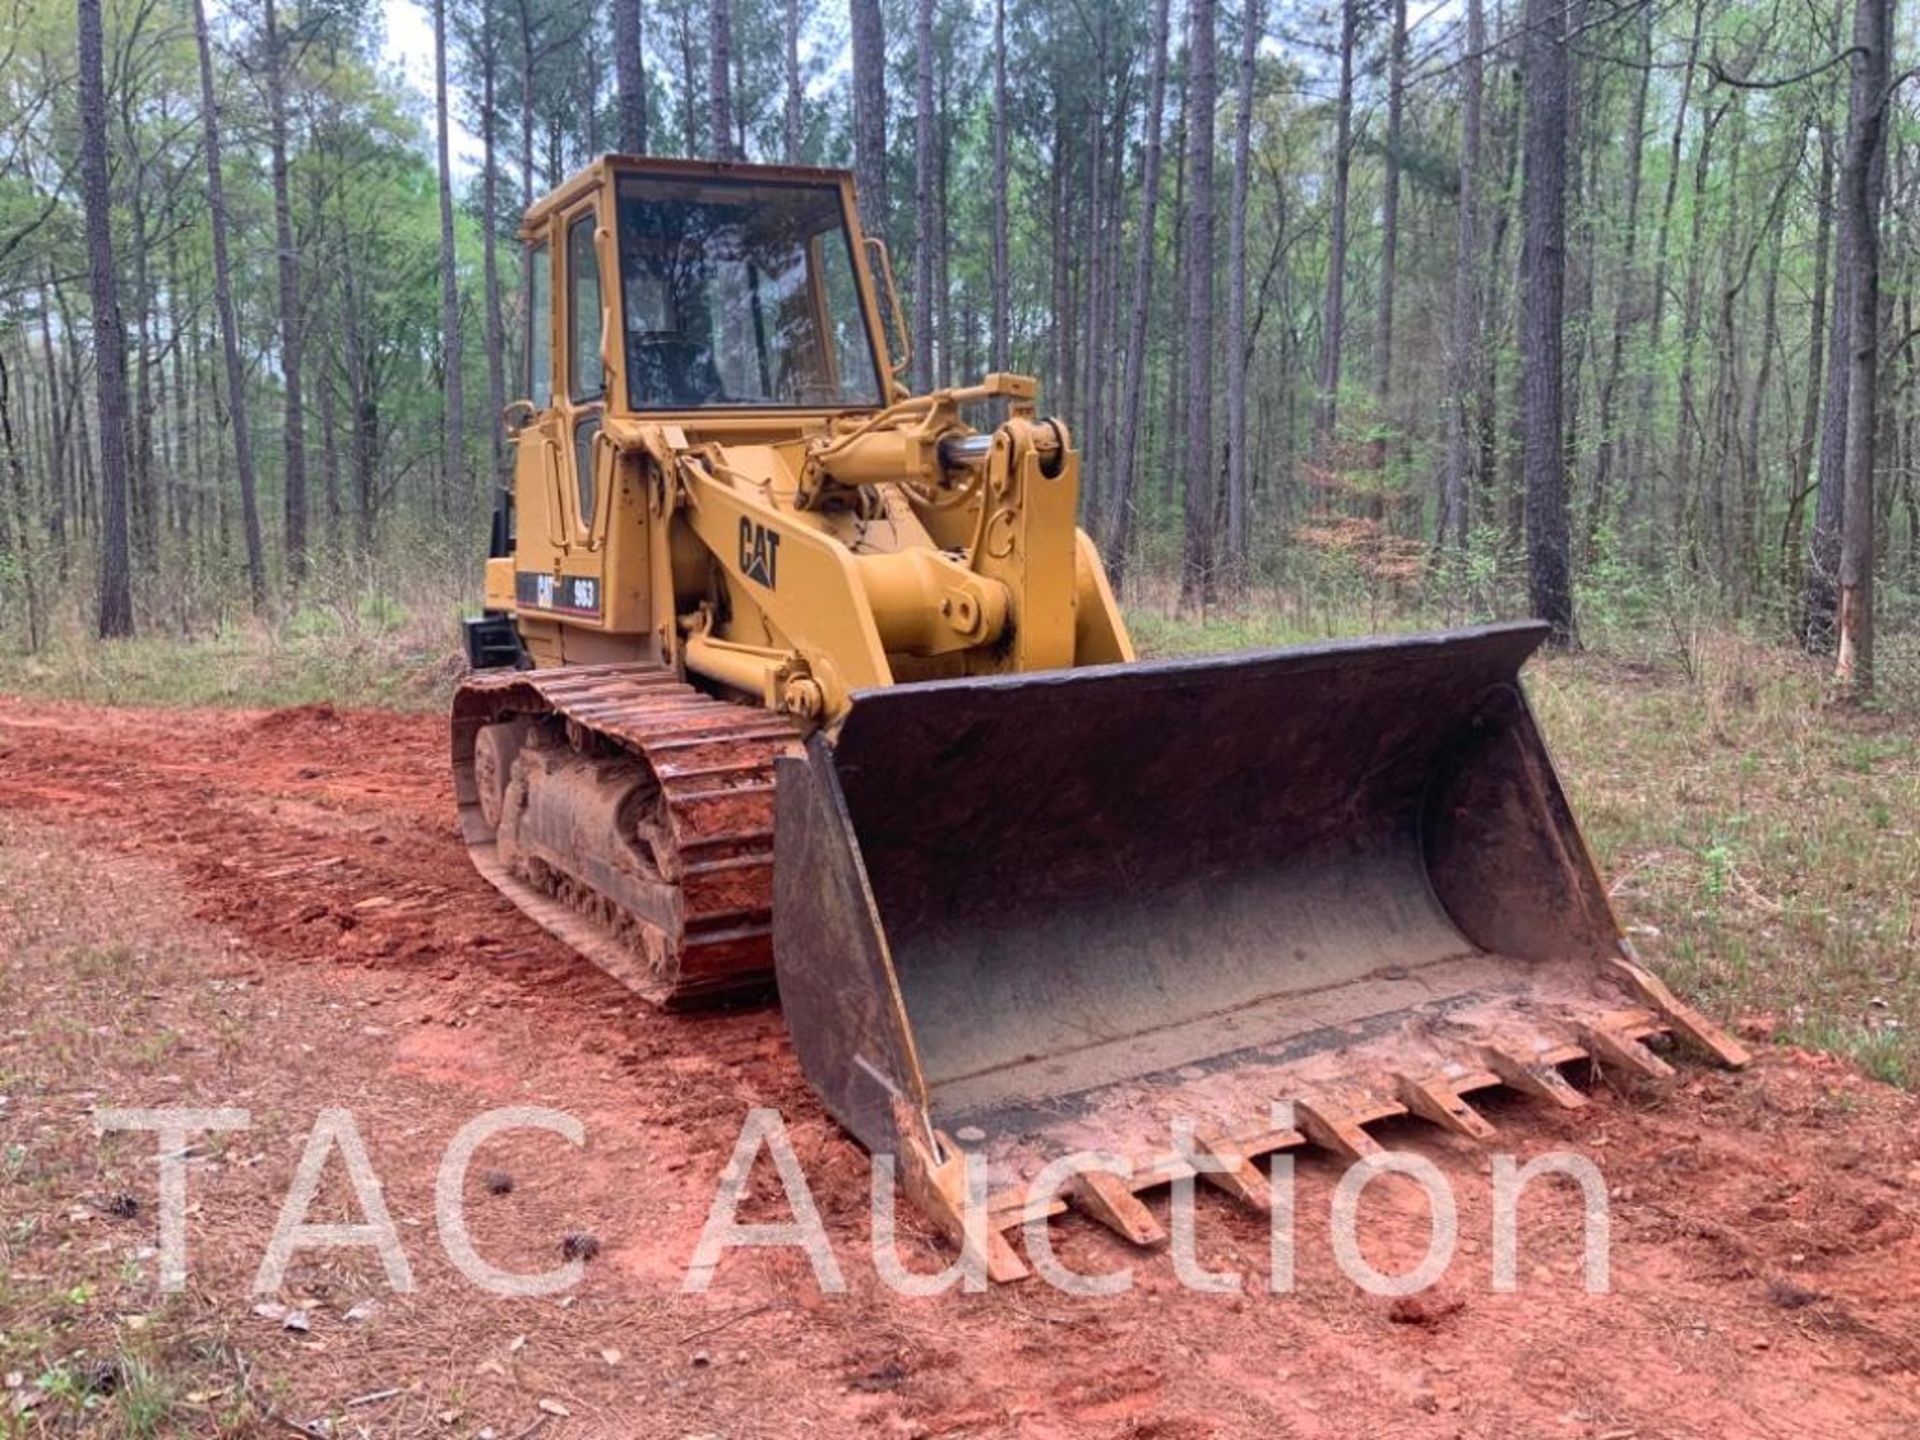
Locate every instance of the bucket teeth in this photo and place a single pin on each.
(1685, 1021)
(1527, 1061)
(939, 1188)
(1232, 1172)
(1611, 1045)
(1332, 1126)
(1434, 1100)
(1532, 1075)
(1107, 1198)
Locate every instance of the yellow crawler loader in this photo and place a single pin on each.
(786, 671)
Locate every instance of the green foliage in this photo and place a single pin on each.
(1614, 595)
(1422, 164)
(1692, 236)
(146, 1399)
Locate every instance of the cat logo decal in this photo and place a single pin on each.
(759, 552)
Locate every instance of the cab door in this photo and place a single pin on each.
(540, 531)
(559, 554)
(584, 399)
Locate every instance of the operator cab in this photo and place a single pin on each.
(740, 292)
(730, 300)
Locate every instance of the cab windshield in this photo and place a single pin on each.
(740, 293)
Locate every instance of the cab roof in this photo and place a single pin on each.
(597, 172)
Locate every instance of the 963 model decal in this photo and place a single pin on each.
(563, 594)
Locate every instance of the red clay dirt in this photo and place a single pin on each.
(1766, 1226)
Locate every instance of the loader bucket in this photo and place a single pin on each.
(1054, 912)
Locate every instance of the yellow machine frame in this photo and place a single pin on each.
(791, 556)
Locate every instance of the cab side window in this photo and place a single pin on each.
(586, 378)
(583, 437)
(540, 327)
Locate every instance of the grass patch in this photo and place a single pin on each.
(1161, 629)
(1761, 842)
(135, 1384)
(255, 668)
(363, 649)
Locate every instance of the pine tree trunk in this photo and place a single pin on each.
(1642, 454)
(1686, 425)
(870, 113)
(141, 499)
(1196, 570)
(1724, 464)
(1333, 314)
(629, 75)
(1389, 237)
(1001, 320)
(1583, 104)
(1238, 347)
(1751, 499)
(1494, 304)
(364, 405)
(1127, 463)
(943, 234)
(1173, 455)
(489, 249)
(1790, 535)
(330, 455)
(1543, 297)
(1821, 595)
(83, 510)
(1626, 292)
(1823, 555)
(924, 218)
(794, 117)
(1060, 366)
(292, 337)
(229, 325)
(590, 83)
(720, 79)
(60, 400)
(451, 348)
(1112, 268)
(1093, 473)
(526, 107)
(180, 342)
(15, 522)
(1862, 183)
(115, 616)
(1463, 363)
